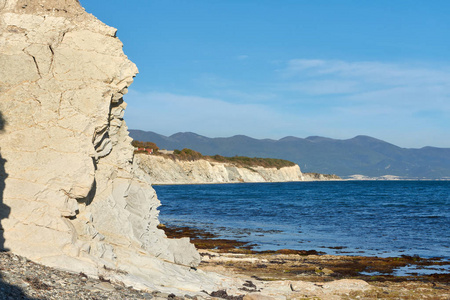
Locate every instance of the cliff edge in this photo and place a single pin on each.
(70, 195)
(163, 170)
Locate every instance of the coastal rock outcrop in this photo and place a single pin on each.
(70, 195)
(320, 177)
(163, 170)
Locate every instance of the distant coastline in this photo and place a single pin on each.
(364, 155)
(164, 170)
(187, 166)
(358, 177)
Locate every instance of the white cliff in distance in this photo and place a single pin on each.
(163, 170)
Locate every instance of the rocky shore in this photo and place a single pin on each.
(325, 276)
(316, 275)
(21, 278)
(285, 274)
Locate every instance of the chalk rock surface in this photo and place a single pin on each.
(70, 194)
(163, 170)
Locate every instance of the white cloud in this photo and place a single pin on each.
(368, 72)
(398, 86)
(296, 65)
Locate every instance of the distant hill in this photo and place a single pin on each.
(359, 155)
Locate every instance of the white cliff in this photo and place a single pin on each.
(70, 195)
(164, 170)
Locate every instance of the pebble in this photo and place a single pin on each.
(105, 286)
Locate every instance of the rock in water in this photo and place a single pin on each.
(71, 195)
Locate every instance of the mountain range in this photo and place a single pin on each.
(362, 155)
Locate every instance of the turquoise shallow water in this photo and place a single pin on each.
(371, 218)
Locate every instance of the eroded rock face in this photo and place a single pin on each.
(71, 197)
(164, 170)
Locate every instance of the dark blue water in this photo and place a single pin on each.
(382, 218)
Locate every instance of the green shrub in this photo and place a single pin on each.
(146, 145)
(188, 154)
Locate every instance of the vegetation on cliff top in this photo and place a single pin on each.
(252, 162)
(240, 161)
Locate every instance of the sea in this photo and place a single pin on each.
(368, 218)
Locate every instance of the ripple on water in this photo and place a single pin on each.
(382, 218)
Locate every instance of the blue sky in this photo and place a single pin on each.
(269, 69)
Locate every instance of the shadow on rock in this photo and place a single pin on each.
(7, 291)
(4, 209)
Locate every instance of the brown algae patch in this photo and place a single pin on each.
(204, 239)
(237, 259)
(310, 265)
